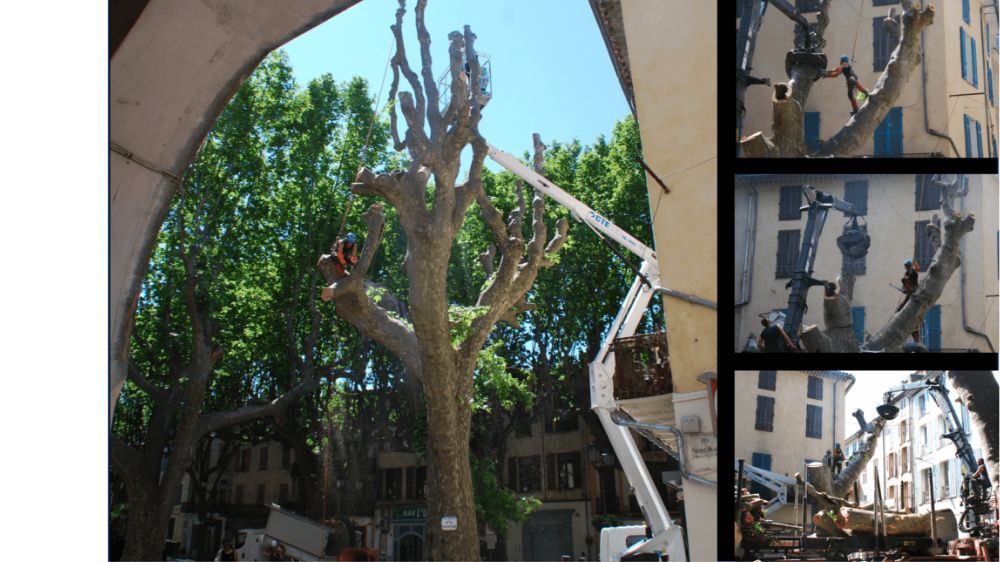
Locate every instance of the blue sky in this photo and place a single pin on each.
(551, 71)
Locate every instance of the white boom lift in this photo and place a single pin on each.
(663, 537)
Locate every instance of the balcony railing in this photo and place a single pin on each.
(642, 367)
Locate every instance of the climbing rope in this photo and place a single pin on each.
(364, 149)
(857, 30)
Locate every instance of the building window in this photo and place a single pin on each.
(922, 404)
(790, 203)
(524, 474)
(788, 253)
(282, 493)
(928, 193)
(888, 135)
(563, 423)
(807, 5)
(765, 413)
(923, 251)
(856, 193)
(812, 130)
(766, 380)
(286, 457)
(261, 489)
(973, 138)
(416, 479)
(858, 322)
(815, 390)
(389, 484)
(884, 2)
(884, 42)
(243, 463)
(970, 65)
(943, 480)
(263, 459)
(814, 421)
(563, 471)
(930, 334)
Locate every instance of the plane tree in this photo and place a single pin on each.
(439, 344)
(227, 329)
(788, 100)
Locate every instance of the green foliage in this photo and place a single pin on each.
(460, 320)
(495, 385)
(496, 505)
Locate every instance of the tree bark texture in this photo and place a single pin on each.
(979, 391)
(862, 521)
(789, 98)
(434, 140)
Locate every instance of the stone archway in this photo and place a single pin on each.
(173, 67)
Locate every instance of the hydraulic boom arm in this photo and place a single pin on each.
(665, 536)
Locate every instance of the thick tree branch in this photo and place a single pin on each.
(155, 392)
(354, 282)
(886, 91)
(219, 420)
(430, 86)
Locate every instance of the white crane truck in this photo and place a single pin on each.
(692, 442)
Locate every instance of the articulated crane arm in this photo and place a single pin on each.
(666, 537)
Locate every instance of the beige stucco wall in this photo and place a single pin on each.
(891, 218)
(677, 123)
(168, 81)
(851, 34)
(787, 444)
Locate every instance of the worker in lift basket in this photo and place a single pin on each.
(852, 80)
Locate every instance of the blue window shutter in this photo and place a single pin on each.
(812, 130)
(965, 62)
(931, 332)
(979, 139)
(968, 137)
(989, 85)
(897, 113)
(966, 12)
(975, 65)
(858, 320)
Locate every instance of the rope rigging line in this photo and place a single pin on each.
(364, 149)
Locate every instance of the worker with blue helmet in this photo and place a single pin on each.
(852, 81)
(345, 254)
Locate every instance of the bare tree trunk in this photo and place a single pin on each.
(862, 521)
(425, 346)
(979, 391)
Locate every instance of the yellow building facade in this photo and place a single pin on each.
(948, 107)
(896, 229)
(783, 419)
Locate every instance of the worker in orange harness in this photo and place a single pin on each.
(345, 254)
(910, 282)
(852, 80)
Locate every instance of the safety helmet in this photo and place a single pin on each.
(351, 237)
(908, 262)
(845, 58)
